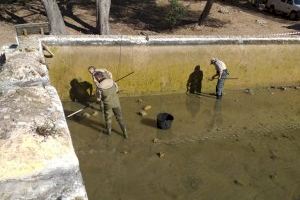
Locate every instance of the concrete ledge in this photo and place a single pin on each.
(37, 156)
(163, 40)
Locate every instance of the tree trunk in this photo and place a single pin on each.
(205, 12)
(69, 7)
(103, 8)
(55, 19)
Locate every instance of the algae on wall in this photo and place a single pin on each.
(167, 68)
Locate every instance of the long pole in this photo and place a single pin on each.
(124, 76)
(227, 78)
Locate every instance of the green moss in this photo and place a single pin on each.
(166, 68)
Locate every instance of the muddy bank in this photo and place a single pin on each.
(243, 147)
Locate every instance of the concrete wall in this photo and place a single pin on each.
(166, 68)
(37, 159)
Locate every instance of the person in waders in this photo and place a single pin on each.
(221, 74)
(106, 91)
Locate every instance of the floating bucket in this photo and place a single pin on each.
(164, 120)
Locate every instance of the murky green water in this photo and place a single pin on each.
(243, 147)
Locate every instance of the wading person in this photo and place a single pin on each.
(107, 93)
(221, 73)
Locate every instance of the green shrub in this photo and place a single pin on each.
(176, 13)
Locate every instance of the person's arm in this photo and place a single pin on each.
(214, 76)
(98, 94)
(117, 87)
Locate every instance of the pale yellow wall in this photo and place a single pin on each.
(166, 68)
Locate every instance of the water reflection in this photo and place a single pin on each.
(192, 105)
(217, 119)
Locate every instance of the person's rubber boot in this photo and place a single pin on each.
(108, 128)
(125, 133)
(124, 130)
(218, 97)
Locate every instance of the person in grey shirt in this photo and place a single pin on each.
(221, 74)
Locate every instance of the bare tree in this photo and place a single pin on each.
(55, 19)
(205, 11)
(103, 8)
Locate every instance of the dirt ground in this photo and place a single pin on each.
(148, 17)
(243, 147)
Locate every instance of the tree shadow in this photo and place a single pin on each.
(247, 7)
(88, 29)
(294, 27)
(36, 8)
(13, 18)
(147, 15)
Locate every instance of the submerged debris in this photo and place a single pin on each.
(95, 113)
(92, 151)
(273, 156)
(283, 88)
(147, 107)
(237, 182)
(160, 154)
(140, 101)
(249, 91)
(155, 140)
(86, 115)
(142, 113)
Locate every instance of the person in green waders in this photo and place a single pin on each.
(106, 91)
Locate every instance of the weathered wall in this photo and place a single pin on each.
(166, 68)
(37, 159)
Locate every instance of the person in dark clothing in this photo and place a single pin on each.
(194, 83)
(81, 91)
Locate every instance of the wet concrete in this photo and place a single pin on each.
(243, 147)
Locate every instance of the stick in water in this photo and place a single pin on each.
(74, 113)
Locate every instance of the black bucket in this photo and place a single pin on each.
(164, 120)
